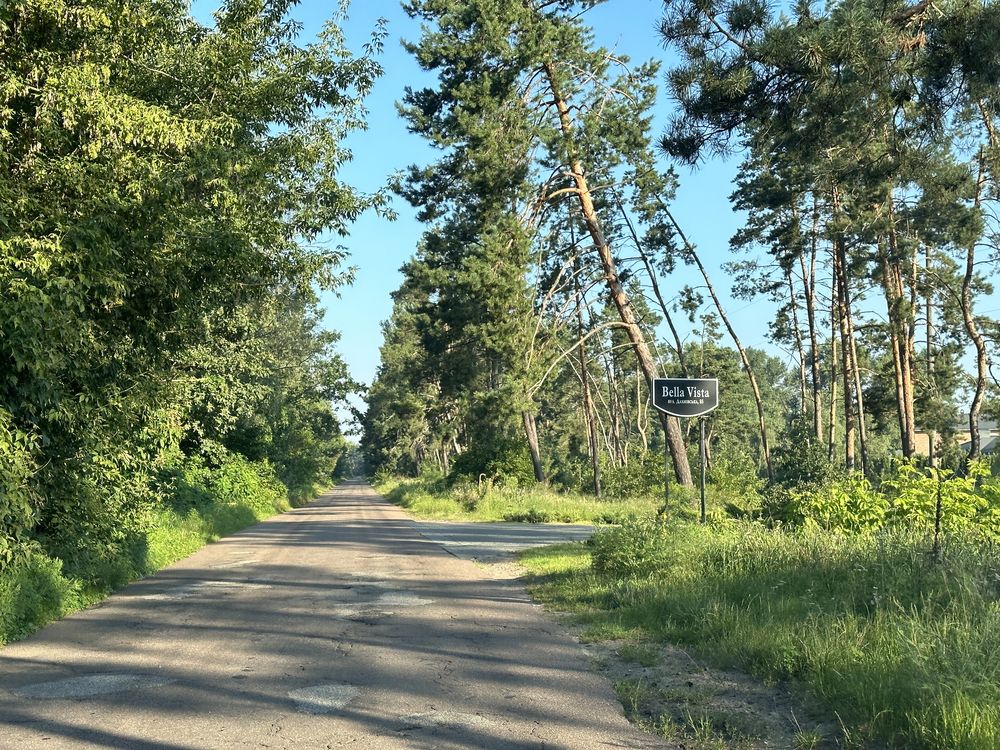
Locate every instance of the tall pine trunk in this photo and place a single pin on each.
(971, 327)
(809, 289)
(799, 348)
(831, 446)
(900, 315)
(531, 432)
(671, 426)
(845, 341)
(588, 401)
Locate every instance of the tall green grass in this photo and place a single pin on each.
(903, 647)
(195, 504)
(433, 498)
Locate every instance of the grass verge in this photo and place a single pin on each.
(900, 647)
(428, 498)
(197, 504)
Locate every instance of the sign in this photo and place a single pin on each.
(685, 397)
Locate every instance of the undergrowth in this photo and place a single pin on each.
(434, 498)
(899, 645)
(190, 504)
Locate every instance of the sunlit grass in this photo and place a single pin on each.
(901, 648)
(434, 500)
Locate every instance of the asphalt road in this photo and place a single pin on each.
(335, 625)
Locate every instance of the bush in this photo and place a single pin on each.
(33, 592)
(736, 483)
(643, 476)
(194, 500)
(505, 462)
(638, 548)
(844, 504)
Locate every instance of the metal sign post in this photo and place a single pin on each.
(686, 397)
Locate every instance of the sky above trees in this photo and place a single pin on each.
(379, 248)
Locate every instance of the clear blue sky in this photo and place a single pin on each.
(378, 248)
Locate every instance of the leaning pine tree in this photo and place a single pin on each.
(529, 73)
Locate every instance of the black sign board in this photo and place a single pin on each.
(685, 397)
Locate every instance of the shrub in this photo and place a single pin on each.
(505, 462)
(736, 483)
(642, 476)
(964, 503)
(638, 548)
(33, 592)
(845, 504)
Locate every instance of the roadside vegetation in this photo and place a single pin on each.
(433, 497)
(840, 588)
(196, 503)
(898, 646)
(164, 376)
(853, 510)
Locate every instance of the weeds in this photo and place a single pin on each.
(196, 504)
(901, 647)
(429, 498)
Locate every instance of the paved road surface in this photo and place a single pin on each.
(335, 625)
(490, 542)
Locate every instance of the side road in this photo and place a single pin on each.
(334, 625)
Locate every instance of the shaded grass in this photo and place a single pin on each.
(197, 505)
(428, 498)
(902, 648)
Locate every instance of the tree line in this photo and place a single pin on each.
(543, 299)
(164, 190)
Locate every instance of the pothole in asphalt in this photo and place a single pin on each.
(402, 599)
(456, 719)
(236, 563)
(358, 612)
(193, 589)
(322, 699)
(91, 685)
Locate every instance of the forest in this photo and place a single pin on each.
(164, 377)
(854, 508)
(541, 300)
(170, 203)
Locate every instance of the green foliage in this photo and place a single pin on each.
(844, 504)
(202, 503)
(432, 498)
(160, 256)
(18, 450)
(900, 647)
(735, 483)
(33, 592)
(907, 495)
(192, 501)
(504, 461)
(640, 477)
(971, 501)
(636, 549)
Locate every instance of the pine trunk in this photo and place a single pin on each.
(845, 341)
(588, 403)
(809, 288)
(901, 337)
(531, 432)
(982, 362)
(671, 426)
(799, 348)
(931, 379)
(831, 446)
